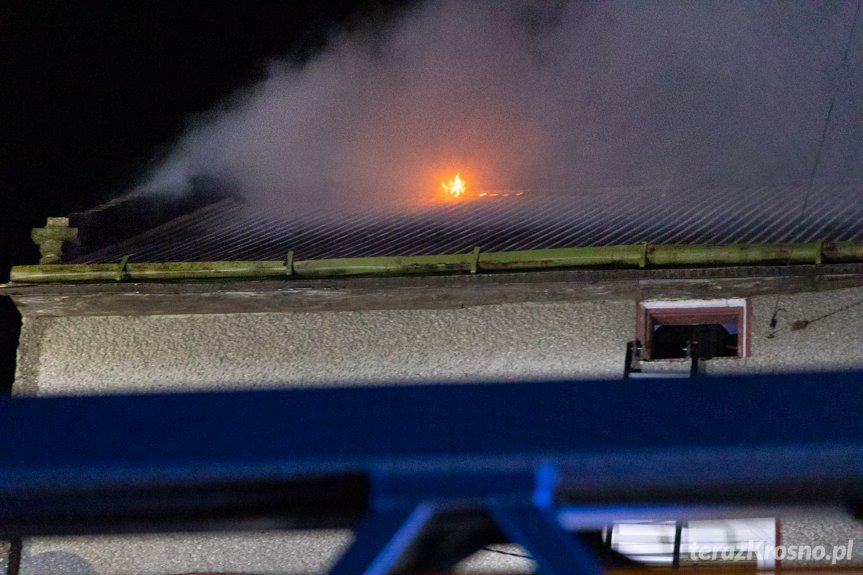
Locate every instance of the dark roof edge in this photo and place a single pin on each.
(127, 217)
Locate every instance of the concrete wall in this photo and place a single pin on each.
(105, 354)
(75, 355)
(250, 552)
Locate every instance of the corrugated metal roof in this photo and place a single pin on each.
(229, 230)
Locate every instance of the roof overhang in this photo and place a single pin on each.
(232, 295)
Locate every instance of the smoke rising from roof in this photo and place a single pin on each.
(542, 95)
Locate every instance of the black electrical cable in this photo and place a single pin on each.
(506, 553)
(818, 153)
(797, 325)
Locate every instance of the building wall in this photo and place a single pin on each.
(104, 354)
(154, 353)
(248, 552)
(584, 339)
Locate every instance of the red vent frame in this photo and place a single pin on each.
(694, 312)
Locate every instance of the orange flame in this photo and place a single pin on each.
(455, 187)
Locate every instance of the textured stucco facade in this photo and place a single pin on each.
(87, 354)
(106, 354)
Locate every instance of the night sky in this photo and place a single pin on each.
(92, 91)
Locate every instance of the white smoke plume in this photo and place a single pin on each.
(542, 95)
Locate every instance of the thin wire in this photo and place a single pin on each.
(818, 153)
(805, 322)
(507, 553)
